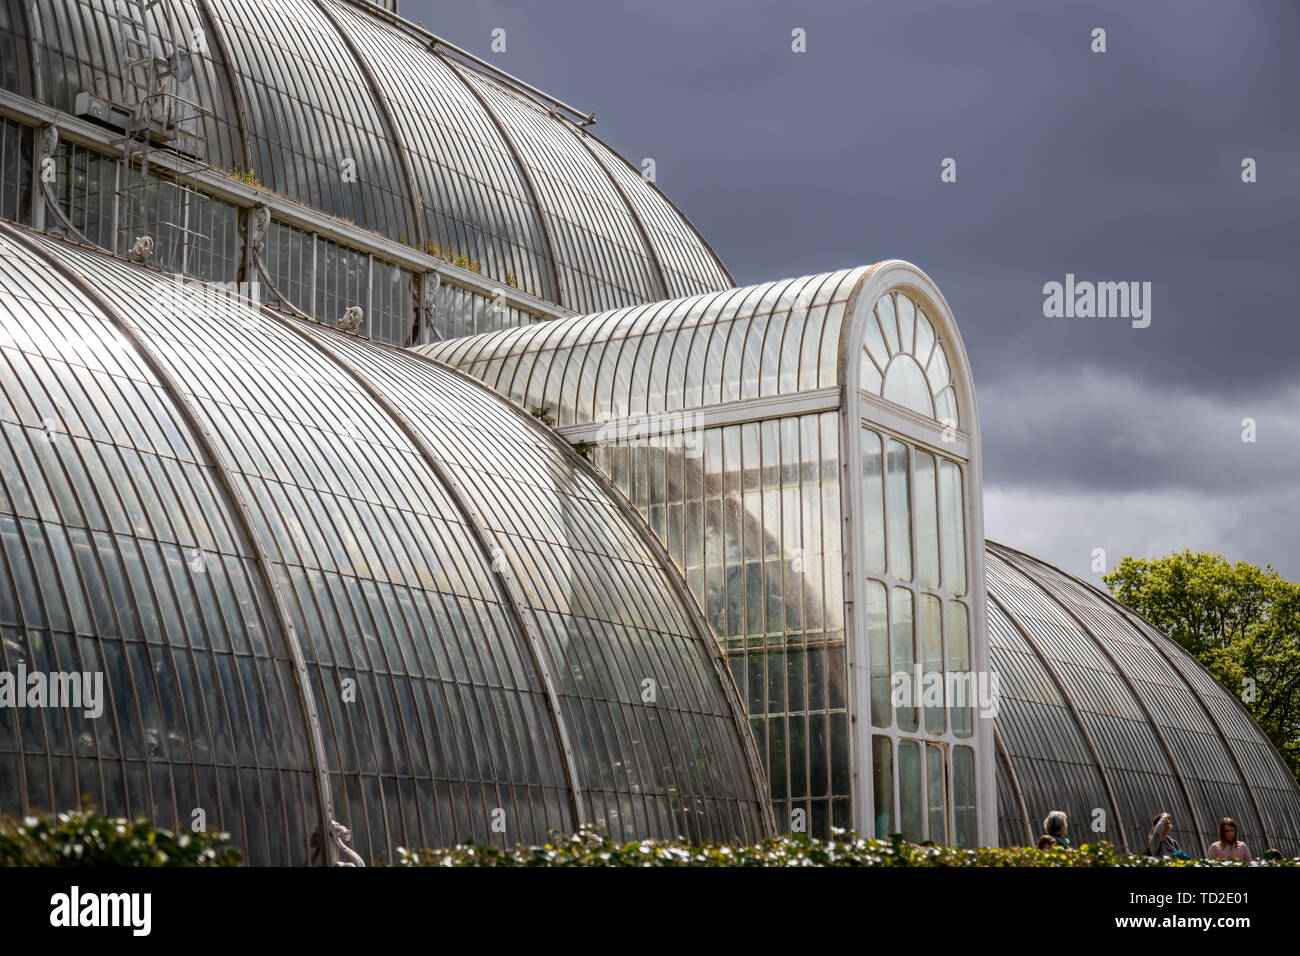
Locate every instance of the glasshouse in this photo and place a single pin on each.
(810, 447)
(385, 461)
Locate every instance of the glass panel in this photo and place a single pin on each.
(586, 212)
(898, 511)
(318, 132)
(392, 304)
(965, 818)
(957, 628)
(14, 68)
(477, 207)
(937, 371)
(289, 259)
(872, 380)
(924, 339)
(910, 809)
(945, 407)
(460, 312)
(873, 507)
(936, 791)
(952, 532)
(874, 345)
(904, 676)
(15, 164)
(927, 526)
(888, 323)
(343, 281)
(878, 642)
(906, 324)
(882, 778)
(906, 385)
(906, 363)
(605, 356)
(930, 624)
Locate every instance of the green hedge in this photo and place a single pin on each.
(91, 839)
(589, 847)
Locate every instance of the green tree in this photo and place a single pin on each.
(1240, 620)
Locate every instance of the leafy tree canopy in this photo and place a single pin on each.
(1240, 620)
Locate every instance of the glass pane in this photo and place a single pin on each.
(906, 323)
(872, 380)
(965, 819)
(909, 790)
(936, 790)
(931, 626)
(873, 508)
(952, 531)
(877, 353)
(888, 324)
(878, 642)
(905, 384)
(882, 776)
(927, 522)
(904, 677)
(945, 407)
(957, 627)
(898, 512)
(924, 339)
(937, 371)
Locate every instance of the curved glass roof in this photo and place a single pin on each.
(316, 128)
(1109, 720)
(371, 119)
(777, 338)
(316, 569)
(1098, 710)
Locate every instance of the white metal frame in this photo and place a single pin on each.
(856, 410)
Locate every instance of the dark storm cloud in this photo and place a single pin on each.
(1115, 166)
(1088, 430)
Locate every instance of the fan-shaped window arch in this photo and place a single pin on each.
(904, 361)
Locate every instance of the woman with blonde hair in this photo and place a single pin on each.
(1228, 847)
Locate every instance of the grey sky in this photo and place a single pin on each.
(1117, 166)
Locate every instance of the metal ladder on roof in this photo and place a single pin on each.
(155, 63)
(139, 57)
(156, 67)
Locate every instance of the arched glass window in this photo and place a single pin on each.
(904, 362)
(915, 553)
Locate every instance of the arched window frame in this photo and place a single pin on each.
(955, 441)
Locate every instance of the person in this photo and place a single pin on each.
(1228, 846)
(1056, 825)
(1046, 842)
(1160, 841)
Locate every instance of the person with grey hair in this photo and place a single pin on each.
(1056, 825)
